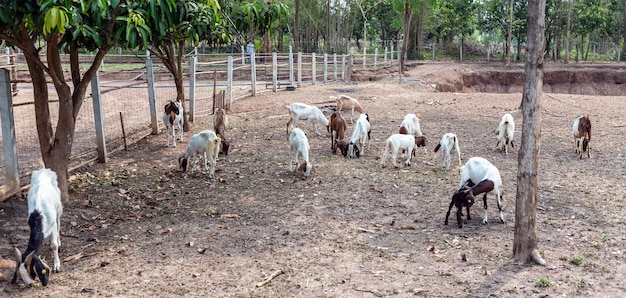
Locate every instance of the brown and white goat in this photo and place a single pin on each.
(347, 103)
(582, 135)
(420, 141)
(173, 119)
(337, 129)
(220, 123)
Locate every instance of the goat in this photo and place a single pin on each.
(300, 145)
(205, 142)
(448, 142)
(582, 135)
(311, 114)
(411, 124)
(360, 135)
(172, 118)
(486, 179)
(345, 102)
(420, 141)
(461, 199)
(220, 123)
(396, 142)
(505, 131)
(337, 131)
(44, 218)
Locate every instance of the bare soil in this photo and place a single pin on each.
(139, 227)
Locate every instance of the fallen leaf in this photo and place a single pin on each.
(166, 231)
(228, 215)
(223, 227)
(73, 257)
(201, 250)
(409, 227)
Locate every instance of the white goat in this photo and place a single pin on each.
(411, 123)
(396, 142)
(505, 131)
(299, 144)
(348, 103)
(173, 118)
(448, 142)
(311, 114)
(477, 170)
(359, 136)
(44, 218)
(205, 142)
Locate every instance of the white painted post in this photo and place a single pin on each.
(385, 59)
(8, 53)
(299, 69)
(391, 52)
(98, 117)
(291, 80)
(335, 66)
(229, 79)
(313, 62)
(364, 57)
(375, 55)
(243, 56)
(253, 73)
(193, 61)
(274, 72)
(343, 67)
(154, 123)
(9, 141)
(325, 67)
(434, 46)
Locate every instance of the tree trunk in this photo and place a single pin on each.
(525, 235)
(268, 42)
(624, 30)
(405, 41)
(296, 25)
(510, 32)
(569, 20)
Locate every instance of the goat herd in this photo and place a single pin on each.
(478, 175)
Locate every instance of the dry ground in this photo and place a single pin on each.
(138, 227)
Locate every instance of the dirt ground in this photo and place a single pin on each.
(138, 227)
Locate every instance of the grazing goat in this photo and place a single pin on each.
(173, 118)
(300, 145)
(348, 103)
(420, 141)
(461, 199)
(396, 142)
(505, 131)
(411, 123)
(220, 123)
(306, 112)
(337, 131)
(448, 142)
(485, 178)
(582, 135)
(360, 135)
(44, 218)
(205, 142)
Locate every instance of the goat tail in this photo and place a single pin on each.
(42, 165)
(419, 116)
(437, 148)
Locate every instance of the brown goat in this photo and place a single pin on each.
(348, 103)
(583, 136)
(337, 129)
(220, 122)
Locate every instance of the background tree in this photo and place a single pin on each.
(525, 235)
(255, 19)
(37, 27)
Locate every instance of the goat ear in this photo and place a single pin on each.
(18, 255)
(29, 258)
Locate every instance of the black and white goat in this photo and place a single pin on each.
(478, 176)
(360, 135)
(173, 119)
(505, 132)
(205, 142)
(448, 142)
(220, 123)
(299, 148)
(582, 135)
(311, 114)
(337, 132)
(44, 218)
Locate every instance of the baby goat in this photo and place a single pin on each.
(44, 218)
(461, 199)
(448, 142)
(582, 135)
(360, 134)
(220, 123)
(173, 118)
(411, 125)
(205, 142)
(396, 142)
(505, 131)
(337, 132)
(311, 114)
(300, 145)
(348, 103)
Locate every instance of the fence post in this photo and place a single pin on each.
(193, 61)
(154, 123)
(375, 55)
(243, 56)
(313, 62)
(325, 67)
(290, 66)
(364, 56)
(299, 69)
(391, 53)
(98, 117)
(229, 80)
(9, 142)
(274, 72)
(335, 66)
(8, 53)
(343, 67)
(434, 45)
(385, 59)
(253, 73)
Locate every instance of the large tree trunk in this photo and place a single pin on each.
(296, 25)
(407, 25)
(525, 235)
(569, 20)
(510, 32)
